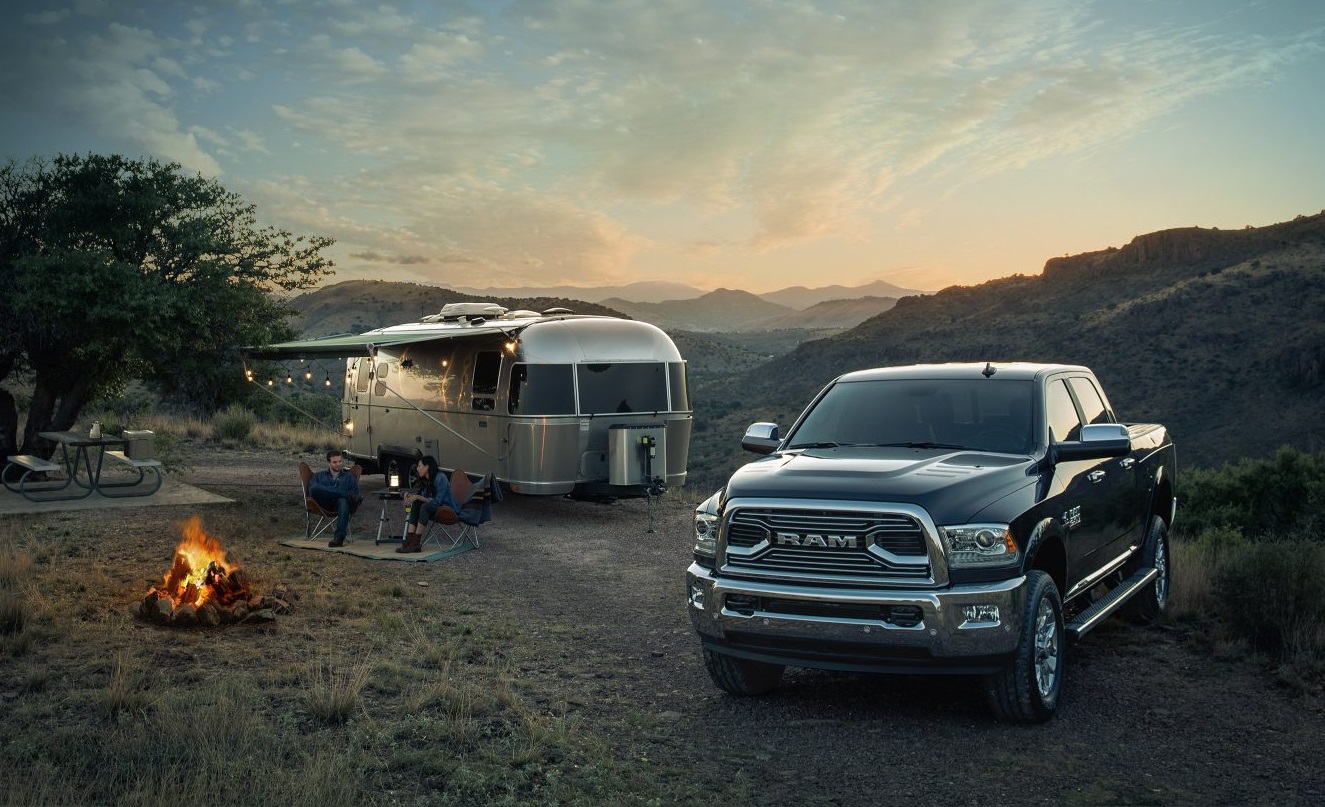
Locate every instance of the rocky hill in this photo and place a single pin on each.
(355, 306)
(830, 315)
(720, 310)
(1218, 334)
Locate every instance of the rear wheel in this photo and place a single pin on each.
(741, 676)
(1148, 605)
(1026, 691)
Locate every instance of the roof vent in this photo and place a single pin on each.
(455, 311)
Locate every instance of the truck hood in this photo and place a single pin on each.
(953, 486)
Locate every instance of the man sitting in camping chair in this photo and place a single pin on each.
(336, 490)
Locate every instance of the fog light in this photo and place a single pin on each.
(980, 614)
(697, 596)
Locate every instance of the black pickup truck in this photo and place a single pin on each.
(955, 518)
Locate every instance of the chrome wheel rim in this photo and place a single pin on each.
(1047, 656)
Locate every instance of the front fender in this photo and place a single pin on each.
(1046, 550)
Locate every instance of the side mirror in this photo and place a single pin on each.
(1098, 441)
(761, 438)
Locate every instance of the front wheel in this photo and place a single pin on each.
(1026, 691)
(741, 676)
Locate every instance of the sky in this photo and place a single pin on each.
(752, 144)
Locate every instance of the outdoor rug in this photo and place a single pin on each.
(387, 551)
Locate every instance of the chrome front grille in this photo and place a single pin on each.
(847, 546)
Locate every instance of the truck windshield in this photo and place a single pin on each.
(622, 387)
(982, 415)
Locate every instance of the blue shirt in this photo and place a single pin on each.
(343, 485)
(441, 495)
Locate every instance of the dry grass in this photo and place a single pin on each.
(375, 689)
(1280, 618)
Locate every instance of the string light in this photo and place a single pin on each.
(328, 381)
(289, 379)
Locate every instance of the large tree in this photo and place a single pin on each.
(113, 269)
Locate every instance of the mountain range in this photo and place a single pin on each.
(794, 297)
(354, 306)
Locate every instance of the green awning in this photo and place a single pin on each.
(330, 347)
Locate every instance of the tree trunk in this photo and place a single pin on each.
(53, 410)
(8, 424)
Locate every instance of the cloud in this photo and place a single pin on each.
(104, 79)
(571, 136)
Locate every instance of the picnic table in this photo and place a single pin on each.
(82, 459)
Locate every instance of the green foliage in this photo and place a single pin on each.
(1283, 496)
(114, 269)
(1273, 595)
(311, 406)
(234, 424)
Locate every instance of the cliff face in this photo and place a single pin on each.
(1218, 334)
(1189, 248)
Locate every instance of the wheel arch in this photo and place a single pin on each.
(1162, 502)
(1045, 551)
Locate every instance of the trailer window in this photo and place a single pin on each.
(487, 367)
(365, 367)
(622, 387)
(676, 377)
(542, 389)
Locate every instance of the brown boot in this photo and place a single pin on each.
(413, 543)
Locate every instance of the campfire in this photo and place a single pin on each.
(204, 588)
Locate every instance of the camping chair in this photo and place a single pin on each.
(475, 500)
(325, 518)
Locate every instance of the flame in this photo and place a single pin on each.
(200, 572)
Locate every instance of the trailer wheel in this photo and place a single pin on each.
(741, 676)
(1026, 691)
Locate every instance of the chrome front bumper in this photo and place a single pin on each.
(942, 637)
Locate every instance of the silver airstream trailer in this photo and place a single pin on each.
(552, 402)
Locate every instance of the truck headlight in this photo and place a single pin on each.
(977, 545)
(706, 527)
(706, 534)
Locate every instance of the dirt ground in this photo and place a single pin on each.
(1148, 716)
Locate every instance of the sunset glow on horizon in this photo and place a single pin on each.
(753, 144)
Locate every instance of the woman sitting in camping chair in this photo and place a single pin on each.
(434, 492)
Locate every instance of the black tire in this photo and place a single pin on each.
(1027, 690)
(741, 676)
(1148, 605)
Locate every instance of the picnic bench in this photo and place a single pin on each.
(143, 468)
(36, 465)
(80, 473)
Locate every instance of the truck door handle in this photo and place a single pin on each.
(1127, 462)
(1095, 476)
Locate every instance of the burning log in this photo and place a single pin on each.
(204, 588)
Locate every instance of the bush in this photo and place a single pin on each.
(1264, 499)
(233, 425)
(1273, 595)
